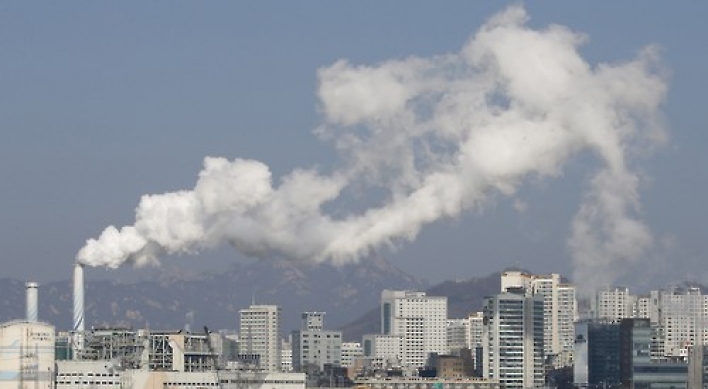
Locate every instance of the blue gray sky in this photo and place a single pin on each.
(104, 102)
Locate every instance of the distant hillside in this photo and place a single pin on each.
(176, 300)
(463, 297)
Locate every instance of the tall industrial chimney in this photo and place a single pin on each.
(79, 298)
(32, 301)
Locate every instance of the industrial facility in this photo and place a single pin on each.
(34, 356)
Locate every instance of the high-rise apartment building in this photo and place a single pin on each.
(614, 303)
(567, 315)
(560, 311)
(259, 335)
(513, 339)
(642, 307)
(420, 322)
(286, 356)
(457, 333)
(682, 315)
(475, 339)
(476, 329)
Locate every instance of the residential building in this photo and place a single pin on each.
(614, 303)
(513, 339)
(682, 313)
(350, 352)
(286, 356)
(560, 311)
(259, 335)
(457, 333)
(420, 322)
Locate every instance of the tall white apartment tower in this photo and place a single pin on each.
(682, 314)
(420, 322)
(614, 303)
(259, 334)
(513, 339)
(567, 311)
(560, 311)
(474, 337)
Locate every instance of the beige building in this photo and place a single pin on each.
(126, 359)
(260, 335)
(425, 383)
(449, 366)
(26, 355)
(108, 375)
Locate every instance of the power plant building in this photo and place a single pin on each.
(26, 355)
(126, 359)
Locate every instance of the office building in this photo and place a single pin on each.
(314, 347)
(637, 370)
(385, 350)
(597, 354)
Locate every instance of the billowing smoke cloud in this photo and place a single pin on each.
(439, 136)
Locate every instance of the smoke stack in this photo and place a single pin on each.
(32, 288)
(79, 297)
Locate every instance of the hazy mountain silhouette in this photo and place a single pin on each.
(178, 299)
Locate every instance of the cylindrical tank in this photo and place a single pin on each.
(79, 297)
(32, 291)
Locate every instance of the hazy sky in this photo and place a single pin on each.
(103, 102)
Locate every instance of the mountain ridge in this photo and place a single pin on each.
(178, 299)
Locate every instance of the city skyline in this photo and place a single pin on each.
(99, 114)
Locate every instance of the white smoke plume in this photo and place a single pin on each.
(440, 135)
